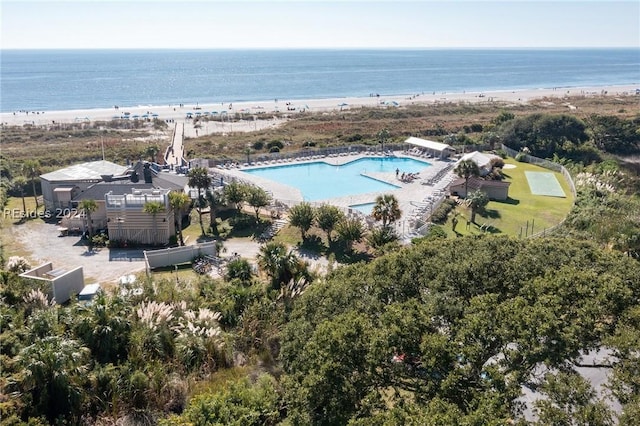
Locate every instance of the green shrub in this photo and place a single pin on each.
(441, 213)
(258, 145)
(275, 144)
(522, 158)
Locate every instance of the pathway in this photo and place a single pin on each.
(175, 153)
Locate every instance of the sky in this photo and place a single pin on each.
(211, 24)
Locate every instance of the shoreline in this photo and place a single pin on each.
(253, 109)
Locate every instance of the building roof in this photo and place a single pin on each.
(100, 189)
(92, 170)
(475, 183)
(482, 160)
(423, 143)
(168, 180)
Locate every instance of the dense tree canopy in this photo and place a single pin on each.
(544, 134)
(463, 322)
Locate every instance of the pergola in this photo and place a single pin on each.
(436, 149)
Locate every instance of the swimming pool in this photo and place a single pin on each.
(365, 208)
(320, 181)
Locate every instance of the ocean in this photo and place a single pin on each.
(66, 79)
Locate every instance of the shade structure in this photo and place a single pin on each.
(435, 148)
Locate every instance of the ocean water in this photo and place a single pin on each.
(60, 80)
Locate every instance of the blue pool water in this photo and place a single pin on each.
(365, 208)
(321, 181)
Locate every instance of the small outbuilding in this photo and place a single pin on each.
(61, 282)
(495, 189)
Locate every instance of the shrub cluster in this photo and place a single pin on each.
(441, 213)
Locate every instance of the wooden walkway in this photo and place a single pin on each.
(175, 153)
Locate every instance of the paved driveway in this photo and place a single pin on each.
(104, 266)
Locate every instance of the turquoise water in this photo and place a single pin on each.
(365, 208)
(320, 181)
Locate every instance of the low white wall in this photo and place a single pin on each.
(178, 255)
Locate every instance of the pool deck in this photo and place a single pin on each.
(410, 195)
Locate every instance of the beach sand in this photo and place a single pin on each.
(249, 111)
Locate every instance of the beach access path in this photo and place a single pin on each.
(175, 153)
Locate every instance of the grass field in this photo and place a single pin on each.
(10, 218)
(521, 211)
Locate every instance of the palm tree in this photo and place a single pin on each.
(467, 169)
(477, 200)
(178, 202)
(18, 185)
(327, 217)
(301, 216)
(350, 231)
(55, 374)
(199, 178)
(383, 136)
(280, 265)
(386, 209)
(31, 169)
(153, 208)
(152, 151)
(89, 206)
(215, 200)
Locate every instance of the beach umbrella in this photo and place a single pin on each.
(115, 117)
(154, 115)
(342, 105)
(145, 115)
(214, 112)
(135, 116)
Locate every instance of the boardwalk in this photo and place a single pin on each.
(175, 153)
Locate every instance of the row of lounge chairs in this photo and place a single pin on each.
(438, 176)
(416, 152)
(303, 157)
(423, 209)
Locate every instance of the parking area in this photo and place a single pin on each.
(44, 243)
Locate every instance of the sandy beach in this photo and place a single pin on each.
(250, 111)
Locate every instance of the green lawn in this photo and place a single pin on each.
(510, 217)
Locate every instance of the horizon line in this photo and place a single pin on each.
(330, 48)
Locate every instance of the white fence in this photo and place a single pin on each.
(178, 255)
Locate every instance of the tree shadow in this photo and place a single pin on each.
(490, 214)
(244, 225)
(346, 255)
(488, 228)
(313, 244)
(509, 200)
